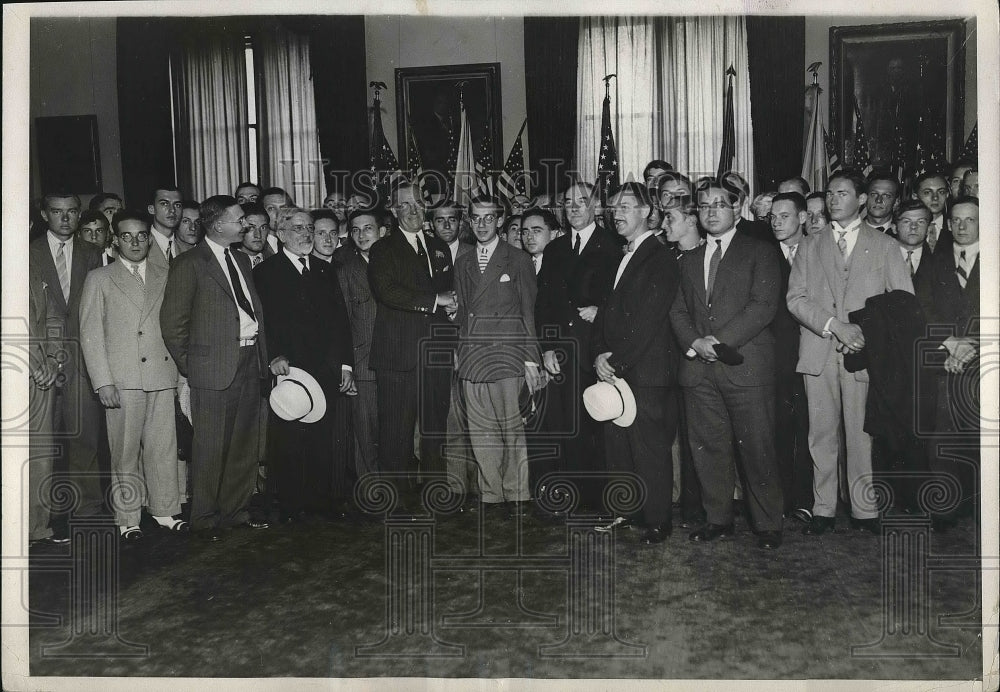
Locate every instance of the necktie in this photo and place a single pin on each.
(255, 260)
(791, 253)
(305, 266)
(138, 277)
(629, 248)
(713, 269)
(842, 243)
(170, 252)
(963, 274)
(109, 258)
(880, 229)
(62, 271)
(241, 297)
(932, 235)
(484, 259)
(534, 261)
(421, 253)
(576, 244)
(909, 261)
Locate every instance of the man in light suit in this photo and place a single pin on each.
(62, 264)
(632, 340)
(730, 288)
(411, 277)
(834, 273)
(135, 378)
(210, 321)
(166, 211)
(351, 264)
(497, 353)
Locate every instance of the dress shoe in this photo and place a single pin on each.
(802, 514)
(617, 524)
(255, 523)
(709, 532)
(519, 508)
(819, 525)
(769, 539)
(870, 525)
(49, 540)
(655, 534)
(691, 521)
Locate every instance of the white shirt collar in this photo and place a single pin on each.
(585, 234)
(294, 259)
(54, 241)
(971, 251)
(726, 239)
(638, 241)
(489, 247)
(852, 227)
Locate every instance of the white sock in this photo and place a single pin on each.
(166, 521)
(123, 529)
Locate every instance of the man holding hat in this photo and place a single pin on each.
(308, 329)
(635, 351)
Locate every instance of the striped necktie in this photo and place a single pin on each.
(62, 270)
(484, 259)
(138, 277)
(791, 253)
(842, 243)
(170, 252)
(909, 262)
(963, 274)
(932, 235)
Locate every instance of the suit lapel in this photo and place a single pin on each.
(79, 270)
(641, 255)
(697, 263)
(213, 268)
(861, 254)
(51, 276)
(727, 265)
(156, 281)
(127, 283)
(496, 267)
(826, 250)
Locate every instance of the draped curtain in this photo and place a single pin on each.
(290, 155)
(667, 100)
(210, 97)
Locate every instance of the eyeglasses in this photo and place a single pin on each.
(484, 219)
(126, 237)
(309, 230)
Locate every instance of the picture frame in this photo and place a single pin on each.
(898, 73)
(69, 154)
(427, 111)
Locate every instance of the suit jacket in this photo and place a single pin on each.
(634, 322)
(820, 287)
(947, 303)
(156, 256)
(495, 316)
(63, 315)
(744, 301)
(761, 230)
(306, 317)
(352, 273)
(567, 282)
(785, 327)
(200, 320)
(120, 329)
(405, 295)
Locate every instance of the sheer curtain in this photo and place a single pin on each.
(667, 101)
(290, 156)
(210, 98)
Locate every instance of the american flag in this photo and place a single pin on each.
(512, 178)
(970, 152)
(728, 151)
(832, 155)
(930, 144)
(607, 163)
(862, 152)
(382, 160)
(899, 153)
(414, 162)
(484, 164)
(466, 178)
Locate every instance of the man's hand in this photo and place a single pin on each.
(588, 313)
(962, 349)
(279, 366)
(704, 348)
(850, 335)
(551, 362)
(44, 375)
(109, 396)
(532, 378)
(346, 381)
(605, 373)
(448, 300)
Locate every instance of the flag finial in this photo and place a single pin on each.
(731, 72)
(607, 83)
(377, 86)
(814, 68)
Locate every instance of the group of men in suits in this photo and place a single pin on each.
(741, 352)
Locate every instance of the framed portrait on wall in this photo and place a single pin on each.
(908, 83)
(427, 112)
(69, 157)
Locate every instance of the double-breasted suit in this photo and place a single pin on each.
(634, 326)
(823, 284)
(496, 339)
(409, 380)
(123, 347)
(307, 323)
(200, 322)
(732, 402)
(77, 413)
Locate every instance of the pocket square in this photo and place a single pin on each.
(505, 277)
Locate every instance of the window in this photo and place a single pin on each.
(252, 132)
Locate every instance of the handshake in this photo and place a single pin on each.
(449, 301)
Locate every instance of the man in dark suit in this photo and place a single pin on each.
(882, 198)
(738, 186)
(96, 230)
(577, 271)
(730, 288)
(788, 219)
(931, 188)
(257, 230)
(211, 323)
(62, 264)
(307, 328)
(632, 340)
(351, 264)
(912, 220)
(498, 352)
(411, 277)
(835, 272)
(955, 303)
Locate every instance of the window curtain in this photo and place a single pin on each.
(290, 156)
(667, 100)
(210, 98)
